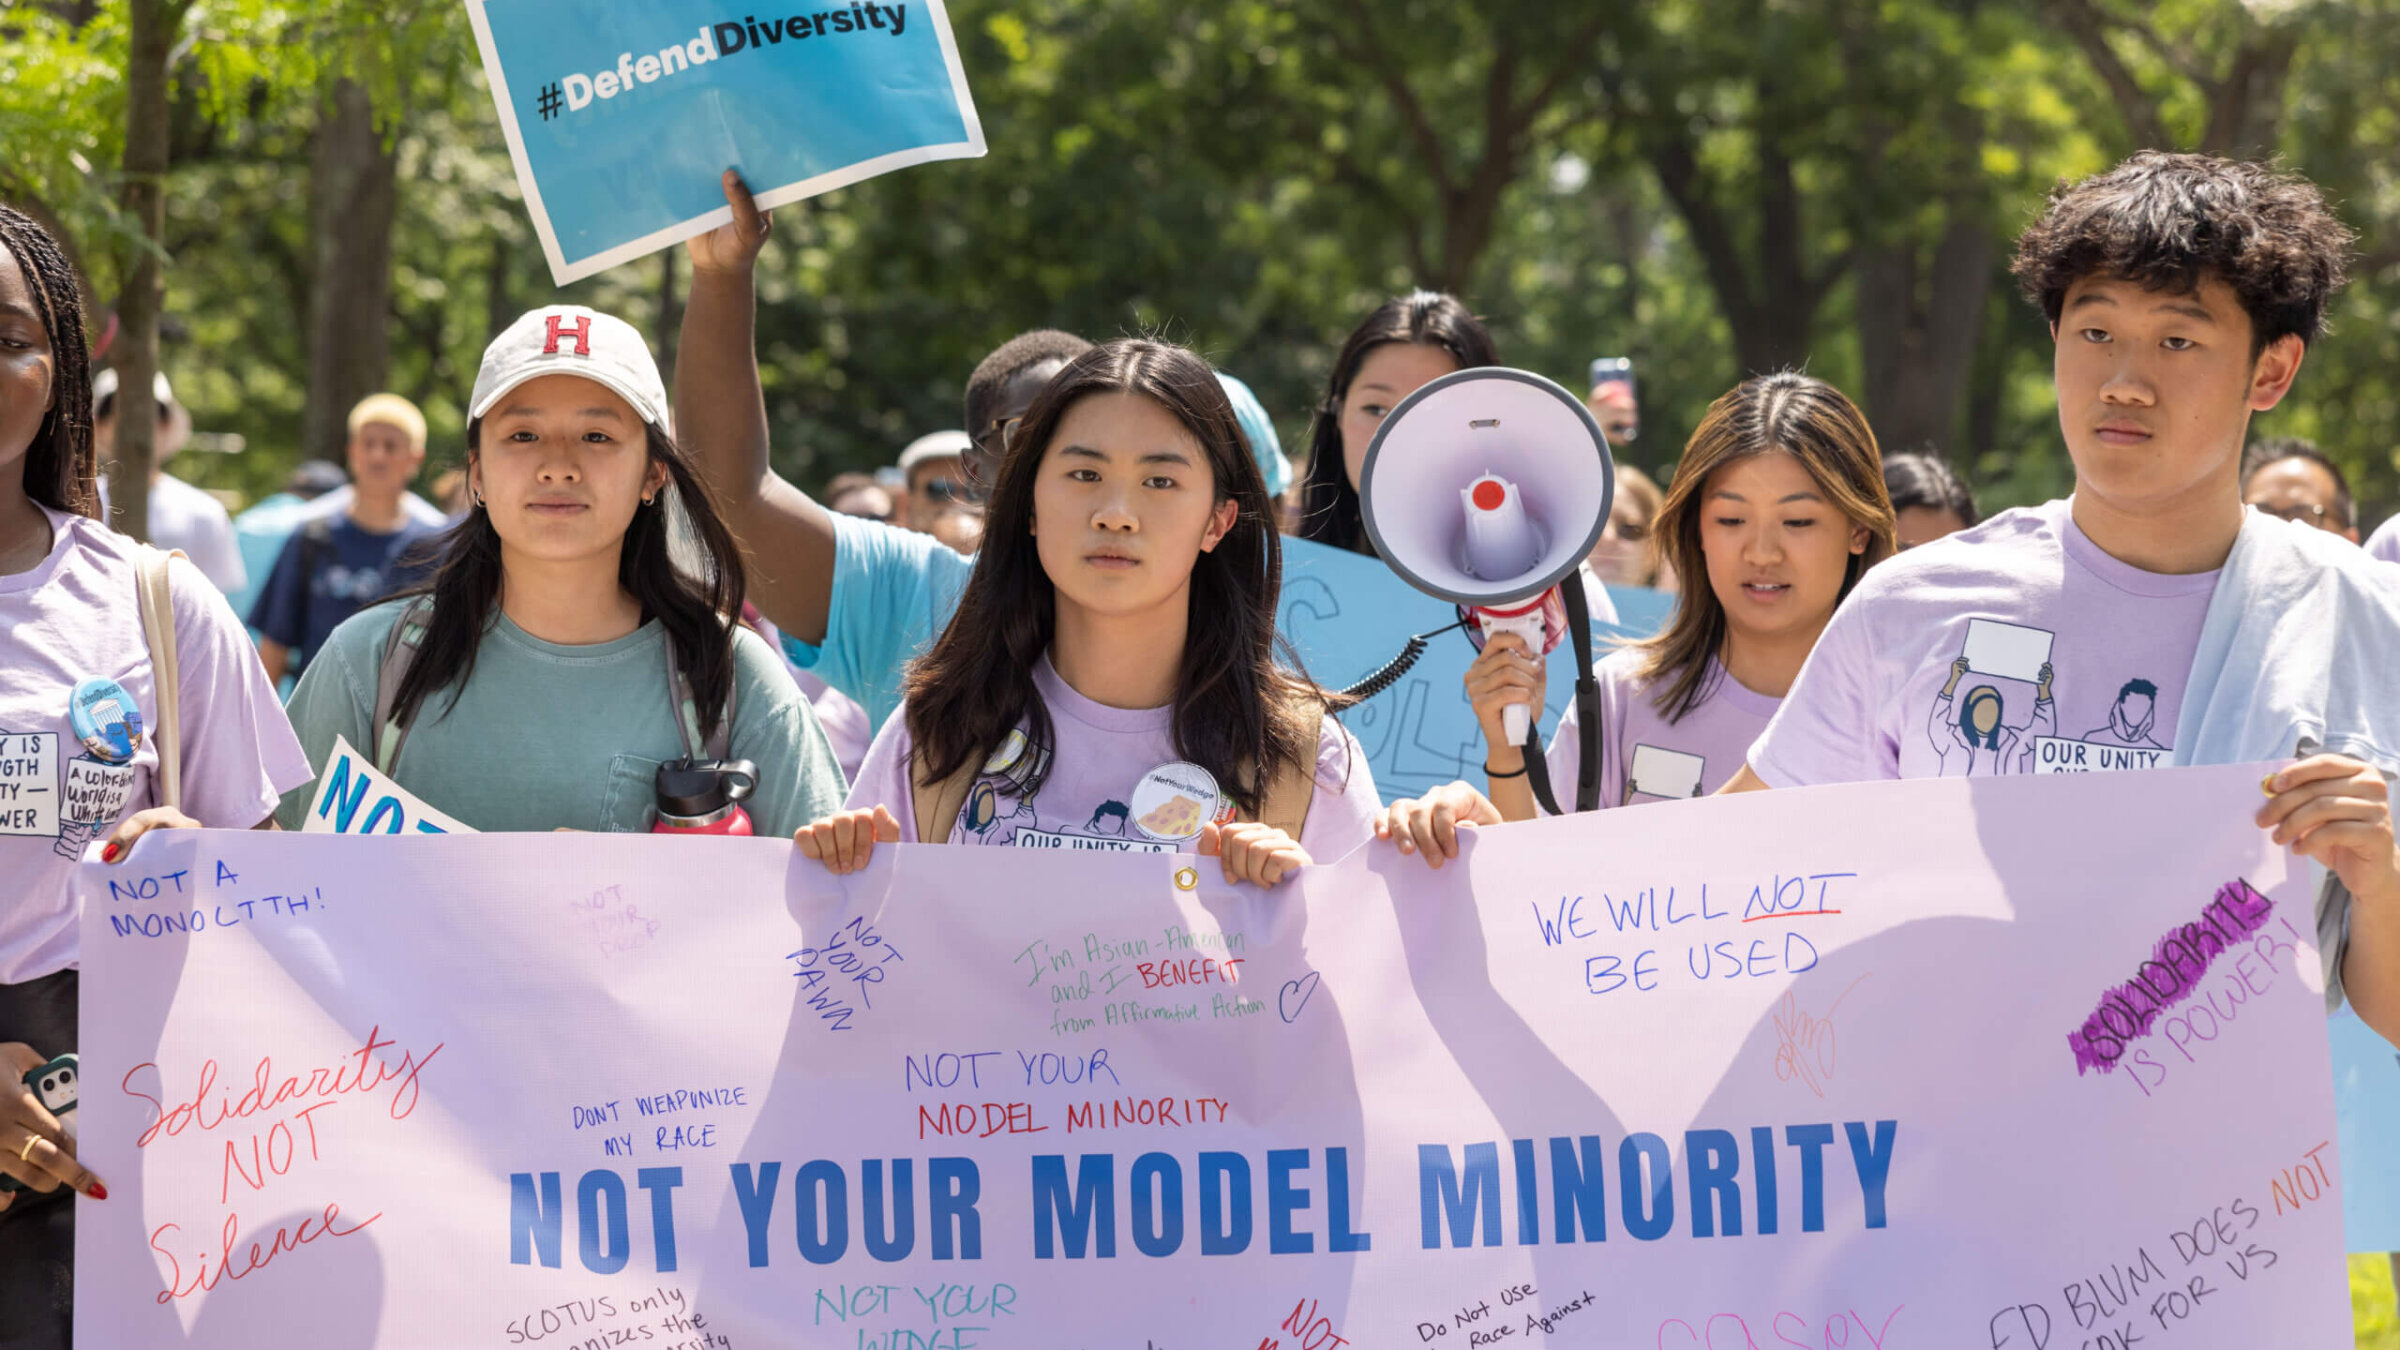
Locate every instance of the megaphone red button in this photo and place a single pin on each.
(1489, 495)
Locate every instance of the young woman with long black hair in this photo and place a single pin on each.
(560, 654)
(80, 719)
(1110, 679)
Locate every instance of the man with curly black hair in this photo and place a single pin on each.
(2182, 293)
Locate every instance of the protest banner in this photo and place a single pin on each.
(1346, 614)
(353, 798)
(1901, 1064)
(622, 114)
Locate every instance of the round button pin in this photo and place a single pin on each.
(106, 720)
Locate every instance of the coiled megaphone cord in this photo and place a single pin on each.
(1398, 666)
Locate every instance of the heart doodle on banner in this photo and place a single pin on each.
(1295, 995)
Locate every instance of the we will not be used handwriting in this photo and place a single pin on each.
(1744, 952)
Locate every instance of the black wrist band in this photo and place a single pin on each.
(1490, 772)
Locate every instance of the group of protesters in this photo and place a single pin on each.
(1081, 587)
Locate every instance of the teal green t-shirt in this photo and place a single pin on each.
(545, 737)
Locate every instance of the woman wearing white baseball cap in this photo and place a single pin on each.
(560, 670)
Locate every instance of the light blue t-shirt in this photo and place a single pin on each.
(544, 736)
(894, 591)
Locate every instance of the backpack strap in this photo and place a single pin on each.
(718, 745)
(399, 653)
(154, 597)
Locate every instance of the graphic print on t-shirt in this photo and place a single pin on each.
(2129, 740)
(1660, 774)
(995, 814)
(34, 802)
(1997, 703)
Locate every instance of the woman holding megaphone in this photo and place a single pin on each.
(1779, 503)
(1110, 680)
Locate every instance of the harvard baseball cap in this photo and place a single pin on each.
(573, 340)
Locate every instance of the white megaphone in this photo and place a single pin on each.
(1487, 488)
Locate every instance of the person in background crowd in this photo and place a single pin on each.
(261, 530)
(332, 567)
(1929, 497)
(858, 494)
(855, 601)
(1112, 680)
(1407, 343)
(2182, 292)
(559, 655)
(1258, 433)
(181, 516)
(1778, 502)
(78, 677)
(846, 723)
(938, 490)
(1612, 405)
(2289, 478)
(1624, 557)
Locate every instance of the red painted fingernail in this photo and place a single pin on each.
(108, 853)
(98, 1191)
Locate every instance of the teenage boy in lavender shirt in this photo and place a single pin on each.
(2182, 292)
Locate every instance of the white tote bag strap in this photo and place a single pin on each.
(156, 598)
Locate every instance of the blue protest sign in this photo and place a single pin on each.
(622, 114)
(2366, 1107)
(1346, 614)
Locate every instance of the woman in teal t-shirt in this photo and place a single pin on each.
(565, 655)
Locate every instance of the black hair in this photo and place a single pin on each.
(694, 609)
(2138, 685)
(1928, 482)
(2275, 449)
(61, 468)
(1329, 512)
(1238, 713)
(2166, 221)
(994, 372)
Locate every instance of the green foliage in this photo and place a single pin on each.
(1251, 176)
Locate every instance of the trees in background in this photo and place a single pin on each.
(1712, 187)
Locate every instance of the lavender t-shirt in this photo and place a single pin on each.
(1646, 758)
(2014, 647)
(1114, 783)
(72, 618)
(2384, 544)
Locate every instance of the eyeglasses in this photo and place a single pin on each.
(951, 492)
(2311, 512)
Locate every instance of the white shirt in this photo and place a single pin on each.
(186, 518)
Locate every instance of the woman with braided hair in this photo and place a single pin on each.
(78, 713)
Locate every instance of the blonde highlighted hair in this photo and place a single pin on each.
(391, 410)
(1803, 417)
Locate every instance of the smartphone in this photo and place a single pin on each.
(1619, 423)
(54, 1086)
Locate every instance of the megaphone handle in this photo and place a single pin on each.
(1516, 719)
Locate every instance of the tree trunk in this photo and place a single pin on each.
(150, 36)
(352, 197)
(1917, 334)
(670, 316)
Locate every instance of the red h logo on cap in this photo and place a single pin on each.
(580, 335)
